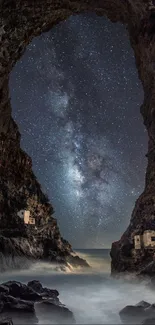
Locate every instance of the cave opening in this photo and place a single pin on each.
(76, 98)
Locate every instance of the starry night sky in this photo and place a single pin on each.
(76, 98)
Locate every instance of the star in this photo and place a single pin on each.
(76, 98)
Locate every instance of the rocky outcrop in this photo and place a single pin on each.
(20, 22)
(22, 252)
(141, 313)
(22, 244)
(127, 259)
(6, 321)
(57, 312)
(24, 304)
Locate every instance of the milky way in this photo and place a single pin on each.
(76, 97)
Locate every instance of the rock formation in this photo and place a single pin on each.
(20, 243)
(24, 304)
(141, 313)
(20, 22)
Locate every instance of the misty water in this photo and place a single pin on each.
(93, 296)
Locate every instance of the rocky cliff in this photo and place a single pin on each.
(20, 22)
(21, 243)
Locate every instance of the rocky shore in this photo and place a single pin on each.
(29, 303)
(23, 252)
(23, 304)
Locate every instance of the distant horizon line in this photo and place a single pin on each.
(93, 248)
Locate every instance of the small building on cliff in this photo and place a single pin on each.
(25, 215)
(147, 240)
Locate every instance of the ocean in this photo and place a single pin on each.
(93, 295)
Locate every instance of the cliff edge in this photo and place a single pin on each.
(22, 242)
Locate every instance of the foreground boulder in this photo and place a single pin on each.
(20, 290)
(56, 312)
(20, 311)
(50, 305)
(24, 304)
(141, 313)
(6, 321)
(4, 289)
(42, 292)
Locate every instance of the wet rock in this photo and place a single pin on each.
(6, 321)
(150, 311)
(40, 300)
(20, 290)
(138, 313)
(57, 312)
(21, 311)
(12, 303)
(37, 287)
(4, 289)
(143, 304)
(129, 314)
(76, 261)
(1, 306)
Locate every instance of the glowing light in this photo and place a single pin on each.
(75, 175)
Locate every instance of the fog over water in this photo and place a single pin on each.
(93, 296)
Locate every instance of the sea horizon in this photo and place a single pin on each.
(96, 248)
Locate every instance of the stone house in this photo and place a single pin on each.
(25, 215)
(147, 240)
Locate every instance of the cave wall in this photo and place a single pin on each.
(20, 22)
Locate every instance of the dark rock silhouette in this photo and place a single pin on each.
(37, 287)
(23, 304)
(141, 313)
(6, 321)
(20, 290)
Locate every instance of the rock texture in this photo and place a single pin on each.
(19, 189)
(6, 321)
(141, 313)
(20, 22)
(24, 304)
